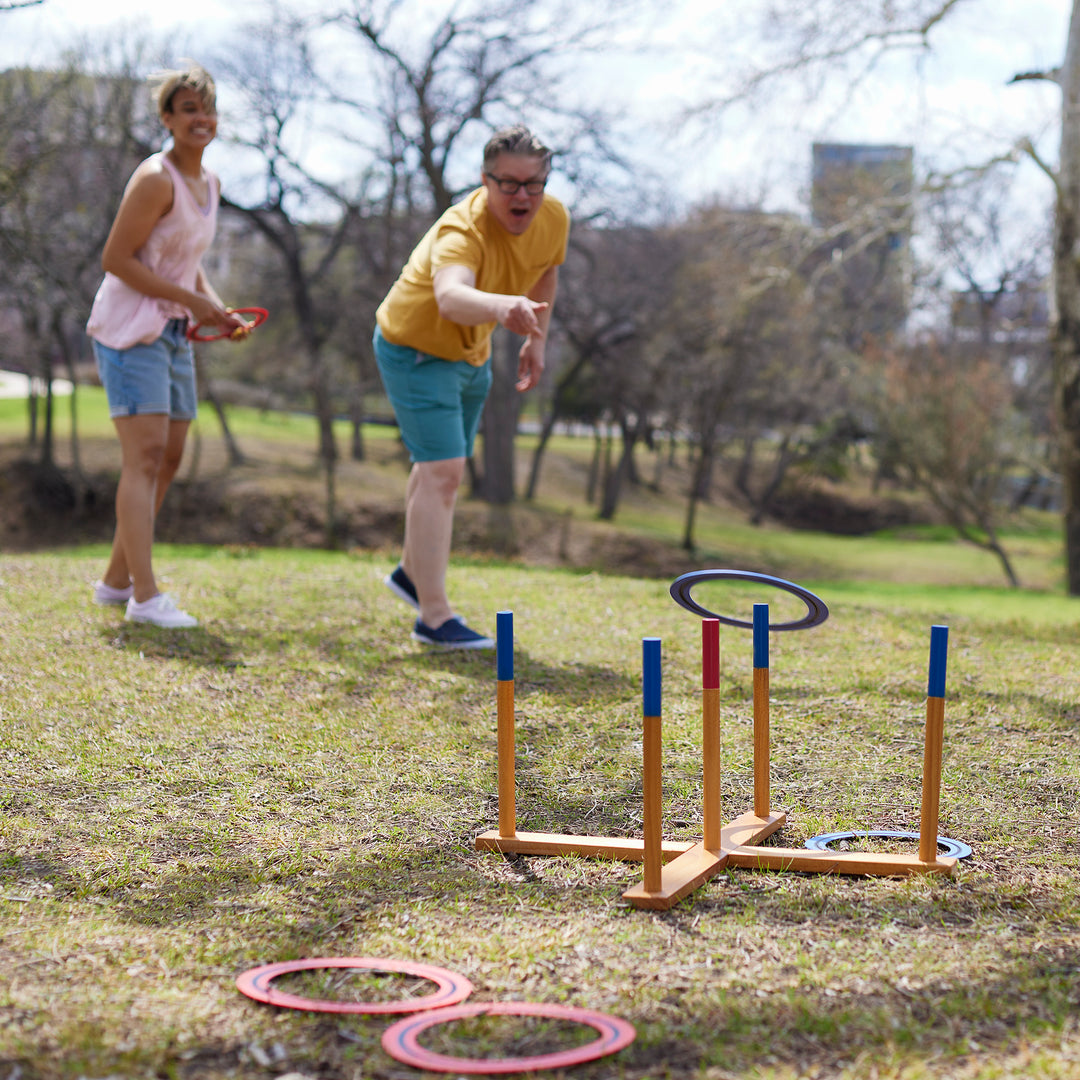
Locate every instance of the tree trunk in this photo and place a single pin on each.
(236, 455)
(538, 454)
(32, 412)
(566, 380)
(324, 411)
(1003, 558)
(1065, 328)
(697, 484)
(784, 457)
(746, 466)
(357, 449)
(604, 468)
(615, 478)
(47, 454)
(500, 421)
(68, 354)
(594, 465)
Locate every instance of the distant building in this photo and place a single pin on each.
(862, 197)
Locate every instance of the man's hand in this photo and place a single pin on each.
(530, 362)
(521, 316)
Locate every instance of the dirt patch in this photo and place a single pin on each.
(828, 508)
(46, 506)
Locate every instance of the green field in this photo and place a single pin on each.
(296, 779)
(280, 448)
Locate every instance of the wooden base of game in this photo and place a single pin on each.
(594, 847)
(682, 875)
(689, 871)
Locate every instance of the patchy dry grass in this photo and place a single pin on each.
(294, 778)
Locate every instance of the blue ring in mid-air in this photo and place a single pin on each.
(954, 848)
(816, 611)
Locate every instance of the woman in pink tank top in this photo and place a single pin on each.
(154, 283)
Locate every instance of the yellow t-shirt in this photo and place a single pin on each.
(466, 235)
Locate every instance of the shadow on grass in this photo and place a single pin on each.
(193, 646)
(688, 1018)
(1016, 707)
(573, 683)
(686, 1031)
(366, 655)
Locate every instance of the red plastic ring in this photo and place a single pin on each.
(258, 317)
(400, 1039)
(452, 987)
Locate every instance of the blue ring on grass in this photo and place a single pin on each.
(816, 611)
(953, 848)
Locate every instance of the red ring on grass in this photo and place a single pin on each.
(452, 987)
(400, 1039)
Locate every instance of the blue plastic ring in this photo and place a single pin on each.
(816, 611)
(953, 848)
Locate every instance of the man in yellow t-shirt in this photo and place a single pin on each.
(491, 260)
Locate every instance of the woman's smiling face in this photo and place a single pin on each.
(188, 118)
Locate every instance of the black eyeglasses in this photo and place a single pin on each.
(511, 187)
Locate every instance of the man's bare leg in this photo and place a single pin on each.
(430, 497)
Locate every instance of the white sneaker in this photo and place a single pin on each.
(160, 610)
(106, 594)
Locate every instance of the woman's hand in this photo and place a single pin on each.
(207, 312)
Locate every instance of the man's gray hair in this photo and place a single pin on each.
(517, 139)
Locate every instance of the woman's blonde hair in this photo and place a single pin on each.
(164, 84)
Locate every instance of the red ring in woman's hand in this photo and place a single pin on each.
(258, 317)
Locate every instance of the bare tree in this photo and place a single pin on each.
(756, 335)
(442, 86)
(948, 417)
(1002, 306)
(304, 219)
(825, 41)
(616, 283)
(1065, 320)
(612, 282)
(79, 137)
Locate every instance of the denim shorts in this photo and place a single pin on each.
(437, 402)
(155, 378)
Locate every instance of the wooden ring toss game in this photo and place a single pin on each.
(674, 869)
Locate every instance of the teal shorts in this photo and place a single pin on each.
(437, 402)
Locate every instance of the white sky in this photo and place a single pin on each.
(955, 102)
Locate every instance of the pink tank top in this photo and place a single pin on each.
(121, 316)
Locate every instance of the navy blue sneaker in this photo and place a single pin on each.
(453, 634)
(400, 584)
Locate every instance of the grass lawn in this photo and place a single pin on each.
(295, 778)
(280, 449)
